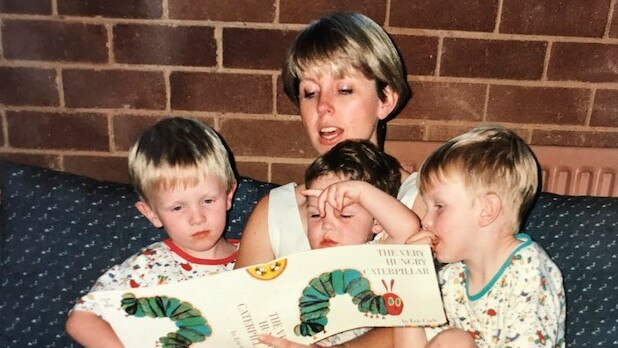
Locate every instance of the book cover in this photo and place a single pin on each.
(304, 297)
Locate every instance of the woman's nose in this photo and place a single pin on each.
(325, 104)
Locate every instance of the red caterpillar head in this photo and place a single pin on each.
(394, 304)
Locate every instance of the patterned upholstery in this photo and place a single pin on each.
(59, 232)
(579, 234)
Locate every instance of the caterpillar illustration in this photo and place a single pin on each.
(315, 300)
(192, 327)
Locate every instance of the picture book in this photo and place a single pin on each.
(304, 298)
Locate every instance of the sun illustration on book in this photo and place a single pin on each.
(268, 271)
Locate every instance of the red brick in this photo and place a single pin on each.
(444, 132)
(404, 132)
(222, 92)
(503, 59)
(267, 138)
(419, 53)
(299, 11)
(127, 128)
(605, 109)
(54, 41)
(283, 173)
(41, 7)
(284, 104)
(559, 18)
(255, 48)
(114, 89)
(590, 62)
(28, 86)
(223, 10)
(575, 138)
(538, 105)
(111, 8)
(63, 131)
(254, 170)
(165, 45)
(100, 168)
(472, 15)
(445, 101)
(39, 160)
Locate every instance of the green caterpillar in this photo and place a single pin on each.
(192, 327)
(315, 300)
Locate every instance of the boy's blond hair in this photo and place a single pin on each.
(346, 41)
(177, 152)
(487, 158)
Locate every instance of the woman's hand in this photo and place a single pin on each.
(278, 342)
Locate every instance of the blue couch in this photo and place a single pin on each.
(59, 232)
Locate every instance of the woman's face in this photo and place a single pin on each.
(336, 108)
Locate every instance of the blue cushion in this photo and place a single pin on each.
(60, 233)
(579, 234)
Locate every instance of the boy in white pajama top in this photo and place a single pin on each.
(500, 289)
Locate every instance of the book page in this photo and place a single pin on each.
(304, 297)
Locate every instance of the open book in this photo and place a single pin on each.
(304, 297)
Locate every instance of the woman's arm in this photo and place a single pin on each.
(255, 242)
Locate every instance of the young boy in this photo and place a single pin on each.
(352, 192)
(181, 171)
(500, 289)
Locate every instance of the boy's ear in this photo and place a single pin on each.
(144, 208)
(491, 206)
(230, 195)
(391, 97)
(377, 228)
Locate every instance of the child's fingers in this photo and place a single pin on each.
(311, 192)
(421, 237)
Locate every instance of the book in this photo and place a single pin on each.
(303, 297)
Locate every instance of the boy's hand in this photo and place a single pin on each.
(338, 195)
(422, 237)
(277, 342)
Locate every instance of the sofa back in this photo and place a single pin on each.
(59, 232)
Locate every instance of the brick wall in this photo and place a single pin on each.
(79, 79)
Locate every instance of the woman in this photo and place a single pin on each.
(347, 78)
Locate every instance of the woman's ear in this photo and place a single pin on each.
(391, 97)
(144, 208)
(491, 207)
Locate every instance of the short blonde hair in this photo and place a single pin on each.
(177, 152)
(491, 158)
(346, 41)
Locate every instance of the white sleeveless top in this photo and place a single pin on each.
(285, 227)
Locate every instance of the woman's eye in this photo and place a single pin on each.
(308, 95)
(345, 91)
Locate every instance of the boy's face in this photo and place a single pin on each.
(452, 217)
(336, 108)
(193, 217)
(351, 226)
